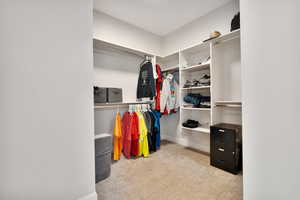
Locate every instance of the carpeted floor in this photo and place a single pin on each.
(172, 173)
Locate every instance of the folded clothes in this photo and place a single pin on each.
(196, 99)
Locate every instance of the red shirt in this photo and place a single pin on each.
(158, 87)
(126, 127)
(134, 134)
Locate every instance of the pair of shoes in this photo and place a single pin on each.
(191, 124)
(205, 79)
(187, 84)
(196, 83)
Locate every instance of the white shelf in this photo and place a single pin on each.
(196, 88)
(173, 68)
(227, 37)
(198, 129)
(196, 109)
(100, 45)
(231, 104)
(196, 67)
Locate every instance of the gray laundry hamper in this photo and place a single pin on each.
(103, 150)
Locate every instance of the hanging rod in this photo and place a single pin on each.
(114, 105)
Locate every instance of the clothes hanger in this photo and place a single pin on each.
(146, 59)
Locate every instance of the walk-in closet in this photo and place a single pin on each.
(149, 100)
(169, 110)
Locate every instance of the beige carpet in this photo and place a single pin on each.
(172, 173)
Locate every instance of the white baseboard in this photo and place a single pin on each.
(92, 196)
(186, 143)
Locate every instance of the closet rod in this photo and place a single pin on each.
(114, 105)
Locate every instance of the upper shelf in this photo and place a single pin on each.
(229, 36)
(204, 46)
(102, 45)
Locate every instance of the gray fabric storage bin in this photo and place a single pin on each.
(100, 95)
(103, 149)
(115, 95)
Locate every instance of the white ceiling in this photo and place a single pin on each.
(157, 16)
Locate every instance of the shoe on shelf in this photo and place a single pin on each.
(191, 124)
(205, 79)
(187, 84)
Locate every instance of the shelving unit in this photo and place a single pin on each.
(224, 70)
(226, 79)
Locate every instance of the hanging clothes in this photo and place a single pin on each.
(155, 75)
(146, 84)
(169, 95)
(174, 87)
(152, 137)
(117, 137)
(143, 140)
(158, 87)
(157, 116)
(134, 135)
(126, 130)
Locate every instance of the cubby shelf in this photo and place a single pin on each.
(198, 129)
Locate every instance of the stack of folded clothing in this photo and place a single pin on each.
(204, 81)
(191, 124)
(198, 100)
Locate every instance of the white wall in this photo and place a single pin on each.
(270, 74)
(46, 118)
(115, 31)
(198, 30)
(114, 68)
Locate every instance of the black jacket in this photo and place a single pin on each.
(146, 85)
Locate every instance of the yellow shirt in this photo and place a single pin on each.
(143, 139)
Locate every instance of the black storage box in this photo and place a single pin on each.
(107, 95)
(103, 150)
(226, 147)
